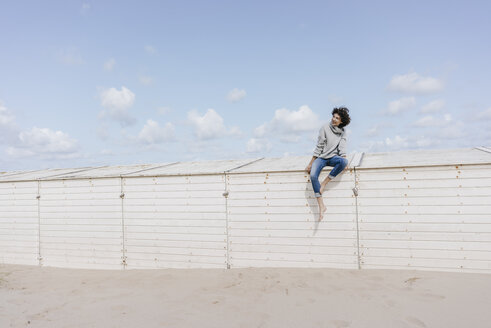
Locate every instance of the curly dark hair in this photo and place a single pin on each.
(343, 112)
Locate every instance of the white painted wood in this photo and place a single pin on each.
(435, 218)
(174, 232)
(284, 231)
(19, 223)
(90, 218)
(425, 210)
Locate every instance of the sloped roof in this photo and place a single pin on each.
(440, 157)
(429, 157)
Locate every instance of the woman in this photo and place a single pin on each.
(330, 151)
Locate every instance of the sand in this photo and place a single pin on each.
(33, 296)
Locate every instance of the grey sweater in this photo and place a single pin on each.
(331, 142)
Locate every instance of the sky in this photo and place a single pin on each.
(94, 83)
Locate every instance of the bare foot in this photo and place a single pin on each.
(322, 210)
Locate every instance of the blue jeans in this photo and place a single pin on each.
(337, 162)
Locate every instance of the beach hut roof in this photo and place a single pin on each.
(440, 157)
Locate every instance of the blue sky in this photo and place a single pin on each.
(86, 83)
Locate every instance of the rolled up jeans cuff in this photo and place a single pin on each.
(331, 176)
(317, 194)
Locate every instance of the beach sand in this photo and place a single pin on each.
(33, 296)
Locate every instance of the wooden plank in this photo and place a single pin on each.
(425, 218)
(286, 194)
(48, 239)
(424, 236)
(163, 257)
(321, 258)
(100, 191)
(152, 251)
(219, 200)
(82, 247)
(177, 230)
(212, 208)
(291, 217)
(153, 264)
(78, 263)
(428, 263)
(291, 225)
(292, 249)
(80, 183)
(295, 202)
(427, 244)
(425, 201)
(26, 259)
(113, 208)
(427, 254)
(297, 241)
(135, 237)
(187, 244)
(99, 215)
(259, 263)
(82, 255)
(174, 180)
(288, 210)
(426, 227)
(319, 233)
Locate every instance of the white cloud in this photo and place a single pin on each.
(150, 50)
(117, 103)
(433, 106)
(70, 57)
(456, 130)
(8, 128)
(145, 80)
(288, 125)
(109, 64)
(301, 120)
(44, 143)
(210, 125)
(398, 106)
(398, 142)
(6, 118)
(485, 114)
(430, 121)
(413, 83)
(255, 145)
(153, 133)
(236, 95)
(261, 130)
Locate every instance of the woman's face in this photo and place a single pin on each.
(336, 120)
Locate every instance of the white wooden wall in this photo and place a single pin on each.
(19, 241)
(430, 218)
(273, 221)
(433, 218)
(175, 222)
(81, 225)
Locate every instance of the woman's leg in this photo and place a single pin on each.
(338, 163)
(317, 167)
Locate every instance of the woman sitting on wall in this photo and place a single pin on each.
(330, 151)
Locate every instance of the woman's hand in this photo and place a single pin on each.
(308, 168)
